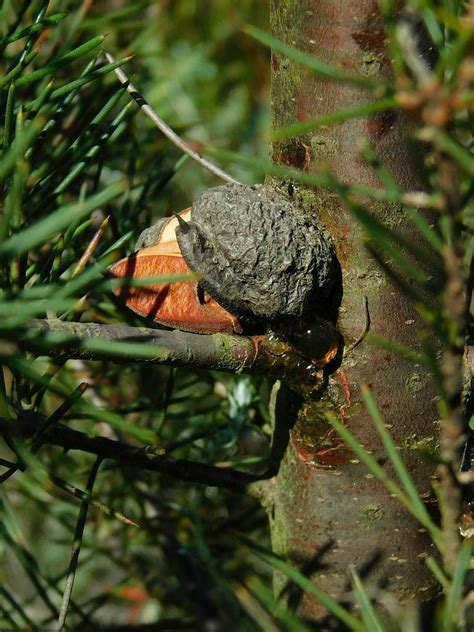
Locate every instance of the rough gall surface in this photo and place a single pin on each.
(261, 257)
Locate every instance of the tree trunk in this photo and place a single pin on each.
(327, 512)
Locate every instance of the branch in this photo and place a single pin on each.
(266, 355)
(263, 355)
(131, 456)
(166, 129)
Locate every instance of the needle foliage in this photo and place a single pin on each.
(89, 542)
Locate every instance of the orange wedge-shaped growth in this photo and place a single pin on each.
(178, 304)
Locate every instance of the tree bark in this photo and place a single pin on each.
(327, 513)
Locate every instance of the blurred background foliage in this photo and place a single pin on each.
(82, 173)
(59, 98)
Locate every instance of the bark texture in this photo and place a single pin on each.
(326, 511)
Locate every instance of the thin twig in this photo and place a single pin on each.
(76, 547)
(58, 414)
(181, 469)
(366, 330)
(17, 607)
(6, 615)
(44, 425)
(85, 497)
(5, 463)
(89, 251)
(31, 568)
(166, 129)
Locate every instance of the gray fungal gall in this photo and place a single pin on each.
(260, 257)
